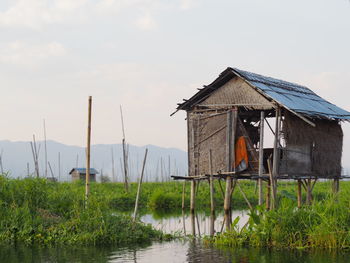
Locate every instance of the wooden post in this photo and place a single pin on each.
(59, 166)
(335, 186)
(227, 202)
(211, 183)
(193, 222)
(275, 163)
(113, 172)
(1, 166)
(139, 186)
(299, 196)
(183, 194)
(125, 158)
(268, 194)
(308, 192)
(45, 149)
(87, 181)
(212, 204)
(261, 157)
(193, 196)
(230, 157)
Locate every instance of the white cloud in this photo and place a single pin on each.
(187, 4)
(37, 13)
(25, 54)
(146, 22)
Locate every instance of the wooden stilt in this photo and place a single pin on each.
(268, 194)
(193, 196)
(227, 202)
(193, 223)
(261, 158)
(299, 196)
(335, 187)
(308, 192)
(212, 204)
(183, 194)
(275, 164)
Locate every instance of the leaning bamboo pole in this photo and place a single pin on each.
(87, 181)
(139, 185)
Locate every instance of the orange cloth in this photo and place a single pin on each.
(241, 152)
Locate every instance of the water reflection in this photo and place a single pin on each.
(190, 250)
(195, 224)
(174, 251)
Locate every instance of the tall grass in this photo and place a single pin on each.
(38, 211)
(324, 224)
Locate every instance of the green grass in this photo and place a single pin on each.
(38, 211)
(324, 224)
(35, 211)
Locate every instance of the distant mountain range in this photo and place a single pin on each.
(17, 158)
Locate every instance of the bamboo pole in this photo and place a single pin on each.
(87, 181)
(1, 166)
(113, 172)
(212, 204)
(193, 196)
(45, 149)
(53, 176)
(272, 198)
(59, 166)
(183, 194)
(244, 196)
(139, 185)
(275, 163)
(125, 158)
(268, 194)
(299, 193)
(308, 192)
(261, 158)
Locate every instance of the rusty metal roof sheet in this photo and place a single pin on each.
(289, 95)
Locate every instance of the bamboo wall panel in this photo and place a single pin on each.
(236, 91)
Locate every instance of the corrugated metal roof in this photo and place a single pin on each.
(83, 170)
(292, 96)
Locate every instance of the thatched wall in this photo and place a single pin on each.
(325, 141)
(206, 131)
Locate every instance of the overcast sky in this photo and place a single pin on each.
(150, 54)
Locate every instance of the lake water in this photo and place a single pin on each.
(173, 251)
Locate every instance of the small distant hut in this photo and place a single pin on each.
(80, 174)
(225, 128)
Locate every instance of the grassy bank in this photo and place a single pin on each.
(36, 211)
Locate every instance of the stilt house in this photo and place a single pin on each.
(226, 119)
(80, 174)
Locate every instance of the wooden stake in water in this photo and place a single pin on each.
(139, 186)
(87, 181)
